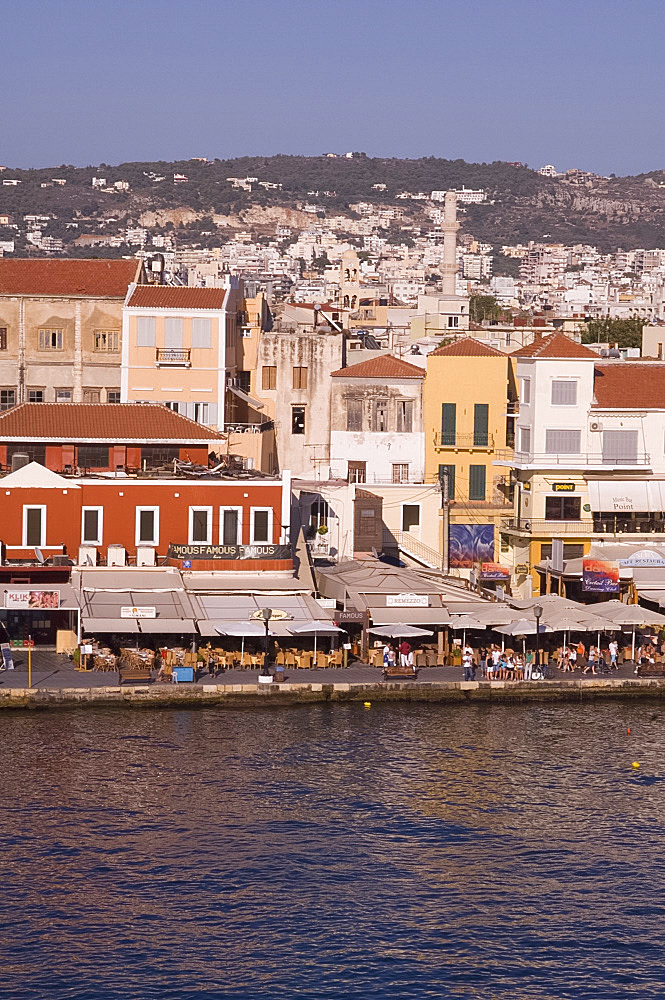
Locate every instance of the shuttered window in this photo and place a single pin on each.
(564, 392)
(448, 423)
(477, 475)
(562, 442)
(451, 479)
(620, 447)
(145, 331)
(481, 412)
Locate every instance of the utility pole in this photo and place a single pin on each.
(445, 504)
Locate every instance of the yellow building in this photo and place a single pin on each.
(469, 396)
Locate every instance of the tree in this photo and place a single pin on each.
(624, 332)
(482, 307)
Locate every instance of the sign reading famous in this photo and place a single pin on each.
(256, 551)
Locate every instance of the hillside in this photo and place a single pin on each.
(611, 213)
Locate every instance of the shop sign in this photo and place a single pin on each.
(563, 487)
(407, 601)
(229, 552)
(600, 577)
(494, 571)
(352, 616)
(276, 615)
(522, 568)
(38, 599)
(138, 612)
(644, 558)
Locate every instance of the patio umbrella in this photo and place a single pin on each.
(316, 628)
(629, 615)
(400, 631)
(523, 626)
(242, 629)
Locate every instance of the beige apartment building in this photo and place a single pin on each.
(61, 329)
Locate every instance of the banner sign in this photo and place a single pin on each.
(563, 487)
(360, 617)
(493, 571)
(138, 612)
(471, 543)
(38, 599)
(229, 551)
(407, 601)
(600, 577)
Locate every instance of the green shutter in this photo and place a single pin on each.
(448, 421)
(481, 413)
(451, 479)
(476, 482)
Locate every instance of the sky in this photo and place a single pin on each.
(576, 83)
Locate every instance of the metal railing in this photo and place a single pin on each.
(464, 442)
(581, 460)
(173, 356)
(542, 526)
(413, 547)
(232, 427)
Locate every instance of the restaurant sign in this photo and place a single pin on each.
(600, 576)
(563, 487)
(494, 571)
(360, 617)
(28, 599)
(138, 612)
(229, 551)
(407, 601)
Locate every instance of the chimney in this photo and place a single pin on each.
(450, 227)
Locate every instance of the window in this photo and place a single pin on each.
(147, 525)
(380, 415)
(107, 340)
(145, 331)
(448, 421)
(269, 377)
(525, 440)
(230, 525)
(3, 338)
(354, 414)
(404, 416)
(113, 395)
(410, 516)
(201, 332)
(91, 525)
(7, 398)
(572, 550)
(93, 456)
(619, 447)
(400, 472)
(173, 333)
(562, 442)
(299, 378)
(200, 526)
(175, 407)
(152, 456)
(261, 522)
(357, 472)
(91, 395)
(201, 411)
(477, 475)
(526, 391)
(63, 395)
(564, 392)
(453, 321)
(50, 340)
(34, 526)
(562, 508)
(35, 395)
(451, 479)
(480, 425)
(35, 452)
(244, 381)
(297, 419)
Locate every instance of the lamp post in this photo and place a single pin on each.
(538, 613)
(266, 614)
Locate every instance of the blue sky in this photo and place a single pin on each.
(570, 82)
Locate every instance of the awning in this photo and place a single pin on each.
(167, 626)
(119, 625)
(245, 397)
(623, 496)
(410, 616)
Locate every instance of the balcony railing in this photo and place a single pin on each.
(541, 526)
(173, 356)
(232, 427)
(581, 460)
(464, 442)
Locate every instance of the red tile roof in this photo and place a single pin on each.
(176, 297)
(385, 366)
(100, 422)
(556, 345)
(468, 347)
(68, 277)
(629, 385)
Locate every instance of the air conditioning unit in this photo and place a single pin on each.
(60, 561)
(116, 556)
(595, 425)
(87, 555)
(145, 555)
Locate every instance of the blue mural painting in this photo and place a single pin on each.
(470, 544)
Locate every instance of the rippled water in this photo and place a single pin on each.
(333, 851)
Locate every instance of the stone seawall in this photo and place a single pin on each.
(273, 695)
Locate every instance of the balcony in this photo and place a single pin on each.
(463, 442)
(598, 525)
(582, 460)
(232, 427)
(173, 356)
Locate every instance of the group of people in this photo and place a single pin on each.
(401, 655)
(500, 664)
(569, 657)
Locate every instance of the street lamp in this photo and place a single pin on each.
(266, 614)
(538, 613)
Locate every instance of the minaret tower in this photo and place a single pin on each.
(450, 227)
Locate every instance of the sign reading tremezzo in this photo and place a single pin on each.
(407, 601)
(256, 551)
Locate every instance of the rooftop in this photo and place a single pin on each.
(556, 345)
(629, 386)
(467, 347)
(385, 366)
(97, 422)
(64, 277)
(176, 297)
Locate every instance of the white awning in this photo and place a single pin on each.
(624, 496)
(246, 398)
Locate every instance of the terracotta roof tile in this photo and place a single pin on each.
(100, 421)
(177, 297)
(629, 386)
(67, 277)
(556, 345)
(385, 366)
(468, 347)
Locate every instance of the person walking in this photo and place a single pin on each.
(614, 652)
(467, 663)
(528, 664)
(404, 650)
(591, 661)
